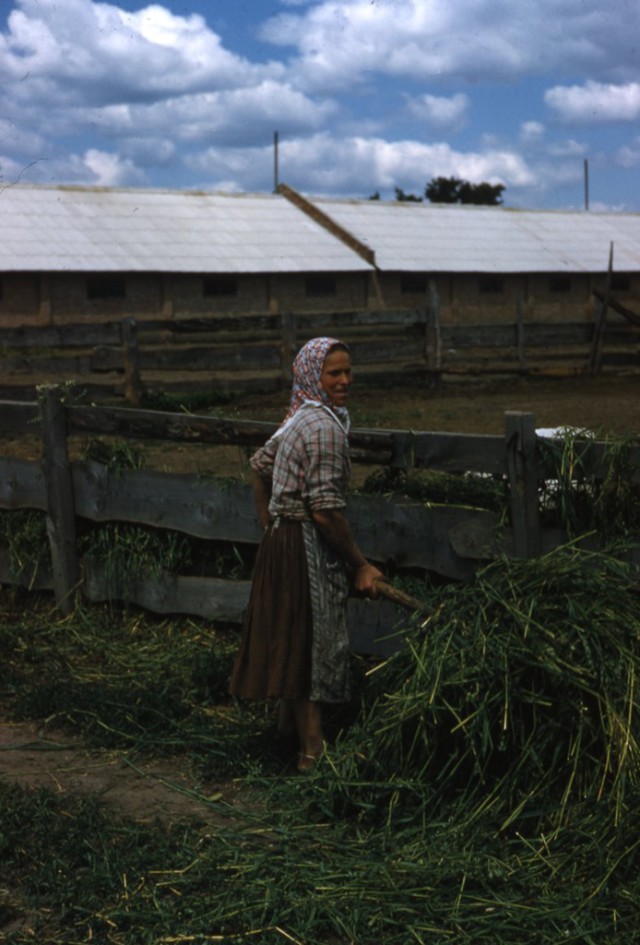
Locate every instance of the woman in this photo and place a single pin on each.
(295, 645)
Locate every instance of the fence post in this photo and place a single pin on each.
(520, 330)
(133, 388)
(597, 341)
(61, 517)
(289, 345)
(433, 336)
(522, 469)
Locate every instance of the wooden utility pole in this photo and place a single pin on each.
(586, 184)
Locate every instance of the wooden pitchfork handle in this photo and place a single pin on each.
(399, 597)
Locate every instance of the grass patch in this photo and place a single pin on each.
(132, 682)
(23, 532)
(185, 401)
(487, 791)
(482, 492)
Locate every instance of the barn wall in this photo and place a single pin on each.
(20, 300)
(58, 298)
(193, 295)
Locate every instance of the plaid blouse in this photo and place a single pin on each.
(308, 464)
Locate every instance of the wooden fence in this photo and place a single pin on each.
(447, 540)
(254, 352)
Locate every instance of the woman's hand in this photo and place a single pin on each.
(365, 579)
(335, 529)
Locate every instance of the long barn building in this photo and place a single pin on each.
(72, 254)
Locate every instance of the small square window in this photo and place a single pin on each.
(220, 286)
(491, 285)
(106, 287)
(559, 284)
(413, 284)
(320, 286)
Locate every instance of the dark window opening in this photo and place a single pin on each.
(218, 286)
(620, 283)
(560, 284)
(491, 285)
(106, 287)
(414, 284)
(320, 286)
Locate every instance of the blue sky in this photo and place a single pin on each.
(366, 95)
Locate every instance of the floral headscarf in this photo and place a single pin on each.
(307, 371)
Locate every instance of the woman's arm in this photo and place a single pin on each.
(262, 495)
(335, 528)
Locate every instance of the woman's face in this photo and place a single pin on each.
(335, 379)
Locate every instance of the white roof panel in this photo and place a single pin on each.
(414, 237)
(53, 229)
(83, 229)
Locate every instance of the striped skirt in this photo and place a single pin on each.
(295, 642)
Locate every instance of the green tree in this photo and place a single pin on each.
(407, 198)
(454, 190)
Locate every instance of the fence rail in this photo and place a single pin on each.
(254, 352)
(452, 541)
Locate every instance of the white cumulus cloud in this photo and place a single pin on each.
(440, 113)
(595, 102)
(337, 41)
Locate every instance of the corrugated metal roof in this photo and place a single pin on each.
(53, 229)
(413, 237)
(100, 230)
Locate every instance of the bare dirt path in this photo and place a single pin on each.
(33, 757)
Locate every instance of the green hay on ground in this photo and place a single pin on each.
(488, 793)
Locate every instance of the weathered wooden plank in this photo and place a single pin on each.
(409, 534)
(630, 359)
(61, 336)
(387, 529)
(323, 321)
(245, 357)
(191, 325)
(211, 598)
(210, 509)
(17, 417)
(62, 364)
(22, 485)
(191, 428)
(538, 334)
(372, 352)
(375, 627)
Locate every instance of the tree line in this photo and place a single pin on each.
(454, 190)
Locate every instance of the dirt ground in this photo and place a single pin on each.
(30, 755)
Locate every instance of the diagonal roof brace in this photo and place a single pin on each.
(324, 220)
